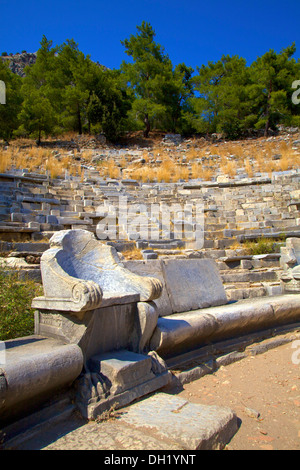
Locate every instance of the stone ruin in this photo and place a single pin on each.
(110, 331)
(290, 262)
(108, 335)
(33, 207)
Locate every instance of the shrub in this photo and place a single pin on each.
(16, 314)
(261, 247)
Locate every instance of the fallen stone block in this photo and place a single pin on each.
(149, 254)
(191, 426)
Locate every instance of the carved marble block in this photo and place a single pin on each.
(80, 273)
(290, 262)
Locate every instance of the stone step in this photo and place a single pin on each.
(240, 291)
(32, 247)
(256, 275)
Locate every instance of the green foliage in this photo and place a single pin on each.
(272, 76)
(9, 112)
(65, 91)
(147, 75)
(16, 315)
(234, 99)
(261, 247)
(37, 114)
(109, 103)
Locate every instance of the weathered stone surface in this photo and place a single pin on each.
(101, 330)
(122, 369)
(176, 334)
(117, 378)
(107, 436)
(13, 262)
(35, 368)
(145, 324)
(175, 420)
(153, 268)
(80, 273)
(290, 262)
(193, 284)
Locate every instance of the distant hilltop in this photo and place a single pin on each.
(18, 62)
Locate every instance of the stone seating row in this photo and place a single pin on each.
(243, 222)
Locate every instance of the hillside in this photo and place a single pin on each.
(18, 62)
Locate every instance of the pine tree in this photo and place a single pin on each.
(272, 76)
(147, 75)
(13, 101)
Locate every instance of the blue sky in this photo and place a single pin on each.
(193, 32)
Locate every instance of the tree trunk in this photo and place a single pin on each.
(39, 138)
(268, 111)
(79, 120)
(147, 124)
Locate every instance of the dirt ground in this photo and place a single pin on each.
(264, 392)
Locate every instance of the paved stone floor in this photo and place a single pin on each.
(159, 422)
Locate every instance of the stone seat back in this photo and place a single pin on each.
(188, 284)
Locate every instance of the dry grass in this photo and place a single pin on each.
(200, 171)
(5, 160)
(181, 173)
(132, 254)
(255, 156)
(160, 165)
(168, 171)
(38, 160)
(192, 153)
(110, 169)
(249, 169)
(85, 155)
(165, 171)
(229, 169)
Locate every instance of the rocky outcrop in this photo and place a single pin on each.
(18, 62)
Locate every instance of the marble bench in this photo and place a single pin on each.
(169, 306)
(194, 311)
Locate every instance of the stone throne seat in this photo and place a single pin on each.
(81, 273)
(91, 300)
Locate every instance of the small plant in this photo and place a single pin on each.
(261, 247)
(108, 414)
(132, 254)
